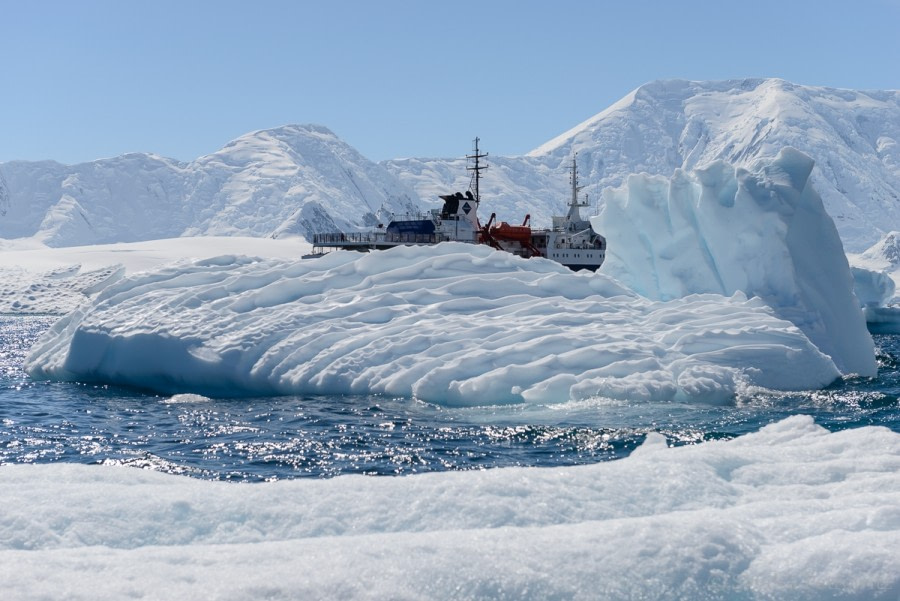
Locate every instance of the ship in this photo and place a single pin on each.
(571, 240)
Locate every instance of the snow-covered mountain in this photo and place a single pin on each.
(303, 179)
(884, 254)
(666, 125)
(290, 180)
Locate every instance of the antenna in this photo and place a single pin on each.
(476, 170)
(575, 187)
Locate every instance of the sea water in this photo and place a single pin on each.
(273, 438)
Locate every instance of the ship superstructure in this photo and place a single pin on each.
(456, 221)
(571, 240)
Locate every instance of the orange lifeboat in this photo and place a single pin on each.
(511, 238)
(513, 233)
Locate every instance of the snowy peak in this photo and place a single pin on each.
(675, 124)
(286, 143)
(885, 253)
(749, 108)
(292, 180)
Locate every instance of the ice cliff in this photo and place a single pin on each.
(762, 231)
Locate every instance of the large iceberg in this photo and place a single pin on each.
(740, 282)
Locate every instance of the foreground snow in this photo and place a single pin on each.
(790, 512)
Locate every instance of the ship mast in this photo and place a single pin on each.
(574, 204)
(476, 170)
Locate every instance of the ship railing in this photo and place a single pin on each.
(370, 238)
(338, 238)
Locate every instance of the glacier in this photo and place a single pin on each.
(877, 275)
(459, 324)
(789, 512)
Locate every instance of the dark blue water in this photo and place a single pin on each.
(322, 436)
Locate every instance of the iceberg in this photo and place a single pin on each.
(724, 280)
(762, 231)
(789, 512)
(453, 324)
(877, 273)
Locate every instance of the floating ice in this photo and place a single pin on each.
(789, 512)
(454, 324)
(877, 273)
(872, 288)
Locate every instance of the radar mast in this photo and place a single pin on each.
(574, 203)
(476, 170)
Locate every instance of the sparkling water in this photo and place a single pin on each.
(254, 439)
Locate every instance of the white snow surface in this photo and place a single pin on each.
(459, 324)
(789, 512)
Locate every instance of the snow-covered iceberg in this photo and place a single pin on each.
(750, 283)
(454, 324)
(790, 512)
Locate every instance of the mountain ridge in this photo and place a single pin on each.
(290, 180)
(302, 179)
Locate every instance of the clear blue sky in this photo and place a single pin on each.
(85, 79)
